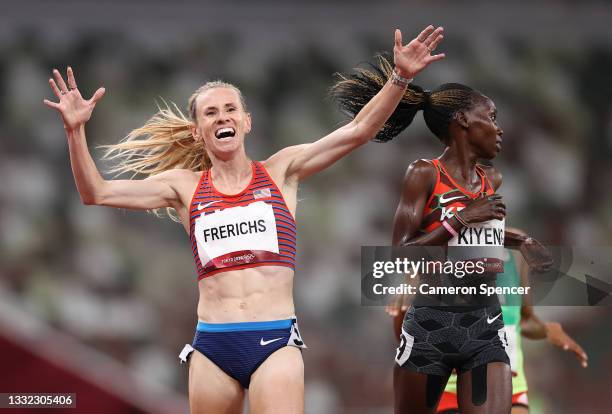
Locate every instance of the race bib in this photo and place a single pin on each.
(480, 241)
(236, 229)
(485, 234)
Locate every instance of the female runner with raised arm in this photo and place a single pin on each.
(450, 201)
(239, 215)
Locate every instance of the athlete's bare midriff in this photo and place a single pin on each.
(261, 293)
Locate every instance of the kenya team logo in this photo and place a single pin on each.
(450, 197)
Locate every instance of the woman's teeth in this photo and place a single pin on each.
(225, 133)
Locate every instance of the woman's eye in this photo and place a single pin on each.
(231, 109)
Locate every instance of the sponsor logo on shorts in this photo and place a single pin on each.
(491, 320)
(264, 343)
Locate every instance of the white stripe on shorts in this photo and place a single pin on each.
(405, 348)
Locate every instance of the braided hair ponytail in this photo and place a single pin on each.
(353, 91)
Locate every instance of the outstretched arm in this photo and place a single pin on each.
(154, 192)
(304, 160)
(533, 327)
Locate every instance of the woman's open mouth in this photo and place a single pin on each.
(225, 132)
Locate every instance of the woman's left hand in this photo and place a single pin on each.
(536, 255)
(415, 56)
(557, 337)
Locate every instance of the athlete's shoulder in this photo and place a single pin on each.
(493, 174)
(421, 169)
(420, 178)
(178, 178)
(177, 174)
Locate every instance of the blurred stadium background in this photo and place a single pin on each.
(99, 301)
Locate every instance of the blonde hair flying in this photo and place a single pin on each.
(164, 142)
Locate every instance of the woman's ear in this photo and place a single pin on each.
(461, 118)
(194, 132)
(247, 123)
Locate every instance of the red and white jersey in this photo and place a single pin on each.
(485, 240)
(238, 231)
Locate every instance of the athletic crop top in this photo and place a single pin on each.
(484, 240)
(238, 231)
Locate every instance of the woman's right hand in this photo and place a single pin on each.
(397, 305)
(74, 109)
(484, 208)
(412, 58)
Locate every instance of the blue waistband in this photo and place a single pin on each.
(244, 326)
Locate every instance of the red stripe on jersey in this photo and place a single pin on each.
(207, 199)
(447, 196)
